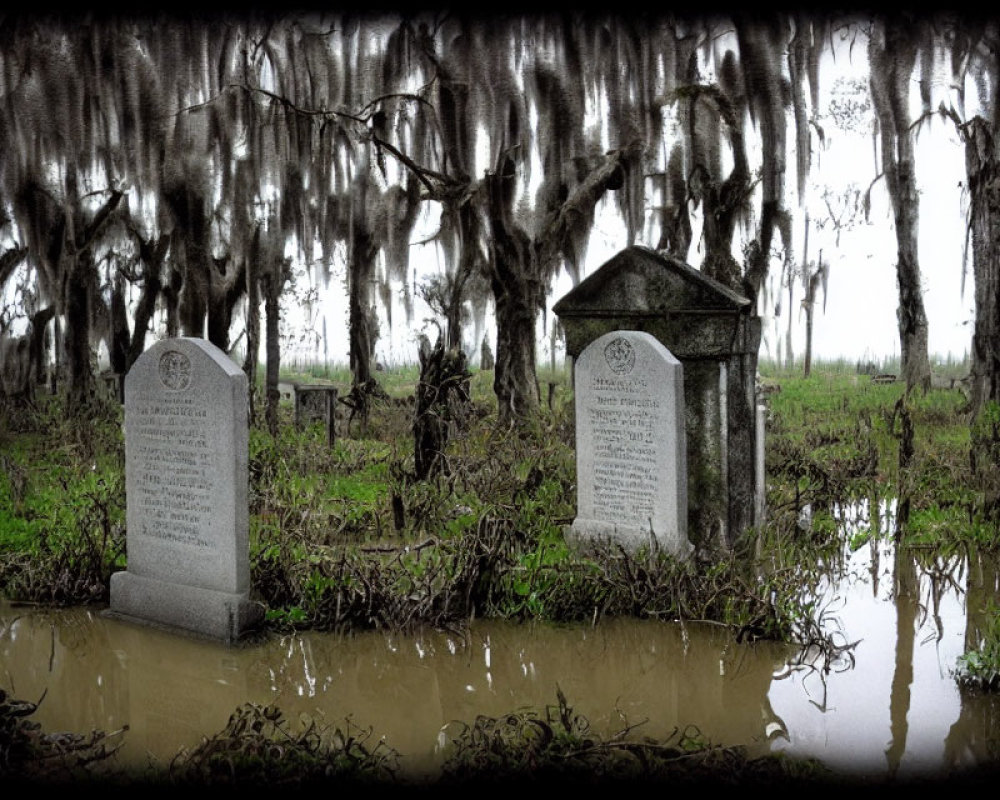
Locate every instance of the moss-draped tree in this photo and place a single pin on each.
(895, 41)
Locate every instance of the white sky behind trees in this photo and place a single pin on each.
(859, 319)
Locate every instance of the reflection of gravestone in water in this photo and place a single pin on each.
(186, 440)
(630, 445)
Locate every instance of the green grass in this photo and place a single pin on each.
(833, 438)
(946, 367)
(980, 666)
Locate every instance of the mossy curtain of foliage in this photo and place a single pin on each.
(158, 169)
(170, 167)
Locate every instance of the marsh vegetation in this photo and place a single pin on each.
(348, 538)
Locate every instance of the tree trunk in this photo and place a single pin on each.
(675, 219)
(807, 365)
(469, 258)
(812, 287)
(219, 319)
(36, 349)
(789, 356)
(193, 306)
(514, 380)
(892, 56)
(58, 355)
(253, 336)
(80, 293)
(907, 592)
(227, 287)
(171, 296)
(77, 336)
(152, 256)
(119, 339)
(191, 250)
(360, 339)
(272, 284)
(982, 165)
(517, 297)
(359, 303)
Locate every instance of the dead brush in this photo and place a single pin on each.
(557, 747)
(440, 583)
(259, 748)
(27, 753)
(613, 582)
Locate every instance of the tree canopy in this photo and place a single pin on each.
(162, 172)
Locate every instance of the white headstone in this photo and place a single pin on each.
(186, 452)
(631, 456)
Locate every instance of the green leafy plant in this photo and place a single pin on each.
(980, 667)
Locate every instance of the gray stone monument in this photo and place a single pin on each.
(715, 334)
(186, 452)
(631, 464)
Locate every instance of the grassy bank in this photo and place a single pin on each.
(348, 538)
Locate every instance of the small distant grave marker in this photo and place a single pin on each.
(317, 404)
(630, 444)
(186, 480)
(113, 386)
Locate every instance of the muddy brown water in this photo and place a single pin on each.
(889, 707)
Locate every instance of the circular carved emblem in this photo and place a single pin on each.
(620, 355)
(175, 370)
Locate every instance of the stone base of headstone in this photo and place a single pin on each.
(183, 609)
(585, 535)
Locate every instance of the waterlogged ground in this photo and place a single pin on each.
(890, 706)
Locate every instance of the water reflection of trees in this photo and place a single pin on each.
(973, 738)
(918, 582)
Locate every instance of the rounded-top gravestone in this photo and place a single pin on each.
(186, 480)
(631, 472)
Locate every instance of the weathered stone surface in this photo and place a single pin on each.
(186, 452)
(317, 403)
(715, 334)
(112, 386)
(642, 290)
(760, 497)
(630, 444)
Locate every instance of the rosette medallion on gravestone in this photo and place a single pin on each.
(186, 476)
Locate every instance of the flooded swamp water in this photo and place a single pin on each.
(890, 707)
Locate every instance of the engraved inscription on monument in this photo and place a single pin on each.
(624, 449)
(631, 466)
(175, 467)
